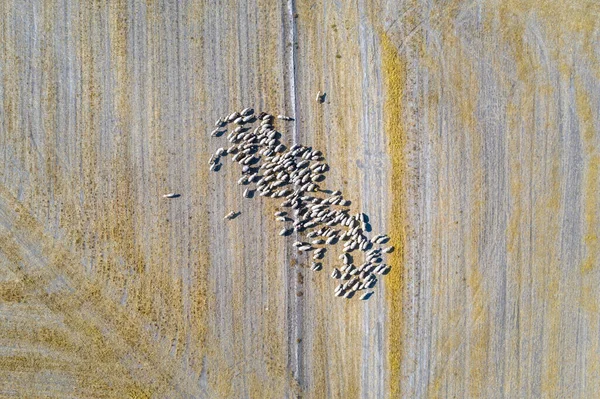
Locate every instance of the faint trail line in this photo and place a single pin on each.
(292, 70)
(81, 301)
(295, 303)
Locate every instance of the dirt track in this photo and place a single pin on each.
(468, 131)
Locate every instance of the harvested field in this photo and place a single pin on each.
(467, 131)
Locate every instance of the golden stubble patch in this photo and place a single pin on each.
(394, 77)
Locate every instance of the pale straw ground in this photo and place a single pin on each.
(467, 130)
